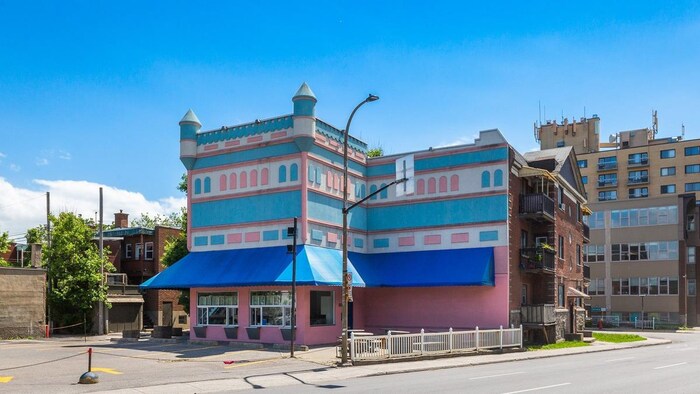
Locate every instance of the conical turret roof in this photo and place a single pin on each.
(305, 91)
(190, 117)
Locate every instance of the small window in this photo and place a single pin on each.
(127, 251)
(137, 254)
(668, 153)
(485, 179)
(197, 186)
(668, 171)
(692, 151)
(639, 192)
(293, 172)
(692, 187)
(560, 144)
(584, 179)
(322, 311)
(372, 189)
(668, 189)
(207, 185)
(149, 251)
(560, 251)
(561, 197)
(385, 191)
(282, 176)
(583, 164)
(498, 178)
(690, 224)
(692, 287)
(691, 254)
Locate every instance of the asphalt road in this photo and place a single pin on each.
(672, 368)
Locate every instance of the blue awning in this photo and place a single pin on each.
(271, 266)
(456, 267)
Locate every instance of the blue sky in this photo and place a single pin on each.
(91, 92)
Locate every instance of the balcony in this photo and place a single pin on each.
(538, 260)
(117, 285)
(637, 163)
(607, 183)
(638, 180)
(586, 233)
(607, 166)
(537, 314)
(537, 207)
(586, 273)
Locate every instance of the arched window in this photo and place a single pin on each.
(207, 185)
(454, 183)
(283, 174)
(264, 176)
(232, 181)
(420, 187)
(197, 186)
(443, 184)
(485, 179)
(431, 186)
(244, 179)
(293, 172)
(384, 193)
(363, 191)
(498, 178)
(373, 189)
(253, 178)
(222, 182)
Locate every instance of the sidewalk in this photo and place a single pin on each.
(328, 371)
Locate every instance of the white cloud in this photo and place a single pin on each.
(63, 155)
(22, 209)
(2, 155)
(42, 161)
(460, 141)
(14, 167)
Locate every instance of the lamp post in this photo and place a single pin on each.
(642, 296)
(346, 282)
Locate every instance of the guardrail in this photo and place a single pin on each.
(391, 346)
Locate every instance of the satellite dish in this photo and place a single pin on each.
(612, 138)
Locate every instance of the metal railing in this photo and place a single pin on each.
(607, 165)
(537, 314)
(538, 258)
(637, 180)
(536, 204)
(637, 162)
(390, 346)
(586, 272)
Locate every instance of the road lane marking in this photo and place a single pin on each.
(108, 370)
(5, 379)
(249, 363)
(619, 359)
(495, 376)
(538, 388)
(669, 366)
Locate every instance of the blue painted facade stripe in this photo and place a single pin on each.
(317, 235)
(265, 152)
(488, 236)
(439, 213)
(272, 206)
(266, 126)
(337, 158)
(359, 242)
(271, 235)
(217, 239)
(329, 210)
(443, 162)
(201, 241)
(381, 243)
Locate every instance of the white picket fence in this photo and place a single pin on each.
(380, 347)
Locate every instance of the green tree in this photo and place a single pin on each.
(4, 247)
(375, 152)
(174, 219)
(36, 235)
(182, 186)
(176, 247)
(74, 269)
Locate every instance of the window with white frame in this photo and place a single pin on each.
(691, 254)
(270, 308)
(321, 308)
(645, 286)
(218, 309)
(137, 254)
(149, 251)
(127, 252)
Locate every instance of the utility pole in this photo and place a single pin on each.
(292, 232)
(48, 263)
(101, 311)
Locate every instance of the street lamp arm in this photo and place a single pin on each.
(381, 189)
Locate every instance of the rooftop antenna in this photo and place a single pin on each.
(682, 130)
(584, 112)
(654, 123)
(539, 110)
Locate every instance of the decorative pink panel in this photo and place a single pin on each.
(234, 238)
(253, 178)
(431, 186)
(257, 138)
(332, 237)
(222, 182)
(460, 238)
(336, 182)
(407, 241)
(420, 187)
(443, 184)
(329, 179)
(432, 239)
(232, 181)
(320, 139)
(454, 183)
(252, 237)
(333, 143)
(278, 134)
(232, 143)
(210, 147)
(244, 179)
(264, 176)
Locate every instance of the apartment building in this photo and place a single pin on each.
(642, 191)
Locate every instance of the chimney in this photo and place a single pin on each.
(121, 219)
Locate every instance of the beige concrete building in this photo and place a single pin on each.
(642, 191)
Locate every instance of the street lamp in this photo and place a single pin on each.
(346, 282)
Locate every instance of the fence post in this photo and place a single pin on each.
(352, 346)
(388, 344)
(449, 339)
(653, 323)
(521, 336)
(477, 339)
(500, 345)
(422, 340)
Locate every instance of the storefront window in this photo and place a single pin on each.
(217, 309)
(270, 308)
(321, 308)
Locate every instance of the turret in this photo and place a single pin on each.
(189, 126)
(304, 114)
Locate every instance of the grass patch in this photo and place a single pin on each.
(558, 345)
(617, 338)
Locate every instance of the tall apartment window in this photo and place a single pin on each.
(639, 192)
(607, 180)
(217, 309)
(668, 153)
(560, 295)
(607, 196)
(595, 220)
(593, 253)
(560, 249)
(638, 158)
(137, 255)
(584, 179)
(668, 171)
(321, 309)
(668, 189)
(149, 251)
(578, 255)
(582, 164)
(692, 187)
(270, 308)
(691, 254)
(692, 169)
(638, 176)
(692, 151)
(690, 223)
(692, 289)
(561, 197)
(607, 163)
